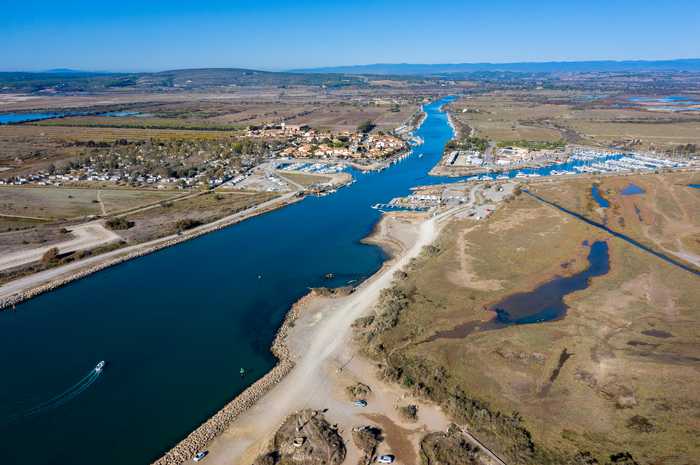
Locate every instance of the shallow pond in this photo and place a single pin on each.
(632, 189)
(598, 197)
(546, 302)
(10, 118)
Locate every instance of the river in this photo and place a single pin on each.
(176, 326)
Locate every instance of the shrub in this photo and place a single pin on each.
(187, 223)
(50, 257)
(366, 126)
(358, 391)
(119, 223)
(409, 412)
(367, 438)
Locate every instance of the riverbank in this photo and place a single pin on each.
(317, 360)
(22, 289)
(238, 296)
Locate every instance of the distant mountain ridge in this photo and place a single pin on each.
(66, 80)
(685, 64)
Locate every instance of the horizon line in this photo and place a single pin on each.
(58, 70)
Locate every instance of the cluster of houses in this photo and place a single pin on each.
(165, 169)
(303, 142)
(212, 173)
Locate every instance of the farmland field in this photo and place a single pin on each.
(574, 117)
(53, 203)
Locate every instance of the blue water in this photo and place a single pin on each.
(177, 325)
(121, 114)
(598, 197)
(547, 170)
(673, 99)
(11, 118)
(674, 103)
(632, 189)
(546, 302)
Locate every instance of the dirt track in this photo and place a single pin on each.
(85, 236)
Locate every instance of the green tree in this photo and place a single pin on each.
(366, 126)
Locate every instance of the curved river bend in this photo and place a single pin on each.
(176, 326)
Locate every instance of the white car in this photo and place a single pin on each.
(386, 458)
(199, 456)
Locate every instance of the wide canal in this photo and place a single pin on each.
(176, 326)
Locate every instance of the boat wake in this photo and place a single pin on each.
(61, 399)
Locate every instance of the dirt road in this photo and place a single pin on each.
(85, 236)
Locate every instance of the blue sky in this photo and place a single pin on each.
(155, 34)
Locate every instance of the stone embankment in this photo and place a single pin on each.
(199, 438)
(12, 300)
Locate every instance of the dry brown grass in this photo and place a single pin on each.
(620, 380)
(85, 134)
(666, 217)
(163, 220)
(52, 203)
(554, 115)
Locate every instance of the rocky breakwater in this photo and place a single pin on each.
(204, 434)
(26, 294)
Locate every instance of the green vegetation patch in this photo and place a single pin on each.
(478, 144)
(533, 144)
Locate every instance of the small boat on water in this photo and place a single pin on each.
(242, 372)
(100, 366)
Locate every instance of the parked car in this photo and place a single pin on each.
(387, 458)
(360, 403)
(201, 454)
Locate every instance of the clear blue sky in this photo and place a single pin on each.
(165, 34)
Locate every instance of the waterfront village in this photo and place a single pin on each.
(183, 165)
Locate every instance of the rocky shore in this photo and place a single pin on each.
(204, 434)
(14, 299)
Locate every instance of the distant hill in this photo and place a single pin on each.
(691, 64)
(66, 71)
(64, 80)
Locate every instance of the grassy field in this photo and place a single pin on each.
(543, 115)
(615, 375)
(666, 216)
(501, 117)
(164, 219)
(51, 203)
(107, 134)
(138, 123)
(346, 117)
(13, 223)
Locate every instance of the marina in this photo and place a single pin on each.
(588, 162)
